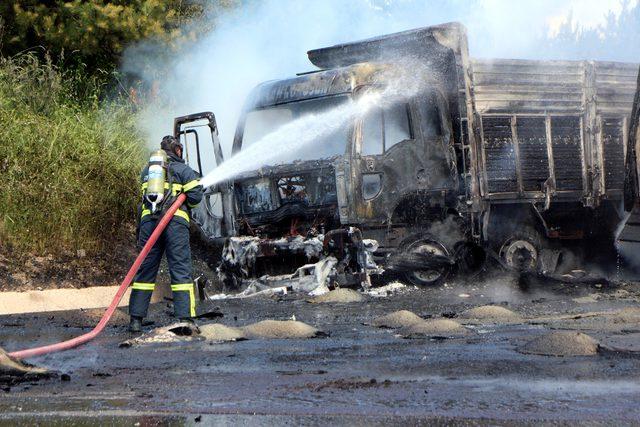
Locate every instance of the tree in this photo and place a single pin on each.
(96, 32)
(615, 40)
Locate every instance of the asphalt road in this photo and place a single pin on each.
(359, 375)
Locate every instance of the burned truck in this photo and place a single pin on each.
(519, 161)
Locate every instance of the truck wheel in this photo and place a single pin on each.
(520, 252)
(433, 275)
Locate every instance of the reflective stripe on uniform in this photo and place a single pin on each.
(143, 286)
(191, 185)
(175, 188)
(182, 214)
(179, 212)
(182, 287)
(187, 287)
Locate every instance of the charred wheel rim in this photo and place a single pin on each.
(433, 275)
(519, 254)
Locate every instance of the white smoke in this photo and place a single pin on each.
(288, 140)
(269, 40)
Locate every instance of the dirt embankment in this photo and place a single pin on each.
(78, 269)
(65, 270)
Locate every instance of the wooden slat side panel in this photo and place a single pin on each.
(567, 152)
(500, 155)
(516, 86)
(613, 152)
(533, 152)
(535, 87)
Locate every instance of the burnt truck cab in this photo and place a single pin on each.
(356, 174)
(369, 186)
(356, 171)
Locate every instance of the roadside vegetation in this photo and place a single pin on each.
(70, 151)
(69, 165)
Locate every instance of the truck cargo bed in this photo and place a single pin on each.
(557, 127)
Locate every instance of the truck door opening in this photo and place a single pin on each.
(202, 152)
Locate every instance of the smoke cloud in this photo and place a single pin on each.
(288, 142)
(267, 40)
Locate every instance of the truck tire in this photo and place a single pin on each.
(418, 246)
(520, 251)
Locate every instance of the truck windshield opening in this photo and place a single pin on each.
(265, 121)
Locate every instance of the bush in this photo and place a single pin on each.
(69, 167)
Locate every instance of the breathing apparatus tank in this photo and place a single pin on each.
(157, 176)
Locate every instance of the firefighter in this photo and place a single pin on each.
(180, 178)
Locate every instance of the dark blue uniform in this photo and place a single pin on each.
(174, 241)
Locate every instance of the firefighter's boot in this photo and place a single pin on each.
(135, 325)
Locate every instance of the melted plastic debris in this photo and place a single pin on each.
(387, 290)
(311, 279)
(177, 332)
(241, 251)
(253, 290)
(312, 247)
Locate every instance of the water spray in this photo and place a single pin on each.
(303, 131)
(291, 137)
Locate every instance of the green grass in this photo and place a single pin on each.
(69, 166)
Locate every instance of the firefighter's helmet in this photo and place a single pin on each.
(170, 143)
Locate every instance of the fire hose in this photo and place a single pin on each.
(74, 342)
